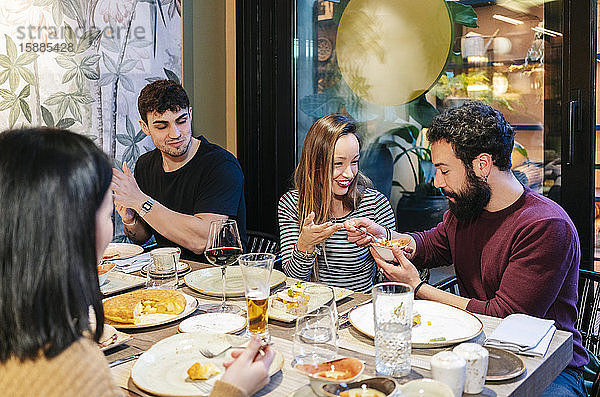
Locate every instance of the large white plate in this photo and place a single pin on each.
(209, 281)
(162, 370)
(159, 319)
(449, 322)
(313, 304)
(125, 250)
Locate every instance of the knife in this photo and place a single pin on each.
(124, 360)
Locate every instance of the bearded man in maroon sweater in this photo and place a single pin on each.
(513, 250)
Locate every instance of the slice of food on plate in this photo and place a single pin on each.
(202, 371)
(292, 300)
(111, 253)
(132, 307)
(400, 242)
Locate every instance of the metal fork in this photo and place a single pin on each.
(376, 239)
(208, 354)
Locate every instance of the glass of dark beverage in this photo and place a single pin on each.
(223, 249)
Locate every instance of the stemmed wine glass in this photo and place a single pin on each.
(223, 249)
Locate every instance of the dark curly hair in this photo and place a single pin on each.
(472, 129)
(160, 96)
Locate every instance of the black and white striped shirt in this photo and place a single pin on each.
(341, 263)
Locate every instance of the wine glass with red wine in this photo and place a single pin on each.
(223, 249)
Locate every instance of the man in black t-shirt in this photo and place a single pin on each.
(183, 184)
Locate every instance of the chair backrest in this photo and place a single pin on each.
(262, 242)
(449, 284)
(588, 306)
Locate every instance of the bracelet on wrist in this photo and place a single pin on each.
(418, 287)
(305, 254)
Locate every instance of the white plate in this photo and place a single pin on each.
(162, 370)
(113, 337)
(182, 268)
(313, 303)
(218, 323)
(209, 281)
(125, 250)
(119, 281)
(449, 322)
(159, 319)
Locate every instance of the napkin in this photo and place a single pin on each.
(133, 264)
(523, 334)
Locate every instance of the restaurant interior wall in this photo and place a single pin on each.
(81, 66)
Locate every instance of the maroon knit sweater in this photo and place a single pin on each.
(522, 259)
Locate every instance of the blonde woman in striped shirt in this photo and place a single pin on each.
(330, 190)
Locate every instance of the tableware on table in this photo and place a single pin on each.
(103, 270)
(153, 320)
(183, 268)
(440, 325)
(449, 368)
(384, 248)
(222, 249)
(315, 339)
(218, 323)
(208, 281)
(523, 334)
(164, 258)
(256, 272)
(476, 357)
(112, 338)
(119, 281)
(278, 311)
(342, 370)
(124, 360)
(426, 387)
(503, 365)
(162, 369)
(387, 386)
(121, 251)
(392, 307)
(163, 276)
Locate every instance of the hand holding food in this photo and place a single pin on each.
(404, 271)
(355, 228)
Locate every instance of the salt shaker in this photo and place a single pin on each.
(476, 357)
(449, 368)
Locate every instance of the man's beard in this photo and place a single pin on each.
(470, 201)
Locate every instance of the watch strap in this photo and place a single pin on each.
(146, 206)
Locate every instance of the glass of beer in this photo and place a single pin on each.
(256, 271)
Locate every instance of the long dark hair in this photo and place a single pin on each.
(52, 182)
(313, 176)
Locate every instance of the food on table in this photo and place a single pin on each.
(202, 371)
(400, 242)
(105, 267)
(336, 370)
(294, 300)
(111, 253)
(440, 339)
(130, 308)
(417, 320)
(107, 340)
(362, 392)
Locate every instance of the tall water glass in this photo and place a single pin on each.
(315, 339)
(392, 307)
(256, 271)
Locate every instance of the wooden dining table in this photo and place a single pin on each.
(539, 371)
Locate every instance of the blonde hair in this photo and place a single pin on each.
(313, 176)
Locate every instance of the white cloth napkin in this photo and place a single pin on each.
(523, 334)
(133, 264)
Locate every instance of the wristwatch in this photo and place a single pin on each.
(147, 206)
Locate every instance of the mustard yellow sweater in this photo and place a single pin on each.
(80, 370)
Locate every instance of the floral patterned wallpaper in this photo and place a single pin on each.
(80, 64)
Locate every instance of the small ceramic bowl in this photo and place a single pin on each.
(385, 250)
(342, 370)
(103, 271)
(426, 387)
(387, 386)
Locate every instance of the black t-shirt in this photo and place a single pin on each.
(212, 181)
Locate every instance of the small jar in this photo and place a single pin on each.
(449, 368)
(476, 357)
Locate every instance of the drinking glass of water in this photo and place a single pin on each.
(315, 339)
(392, 306)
